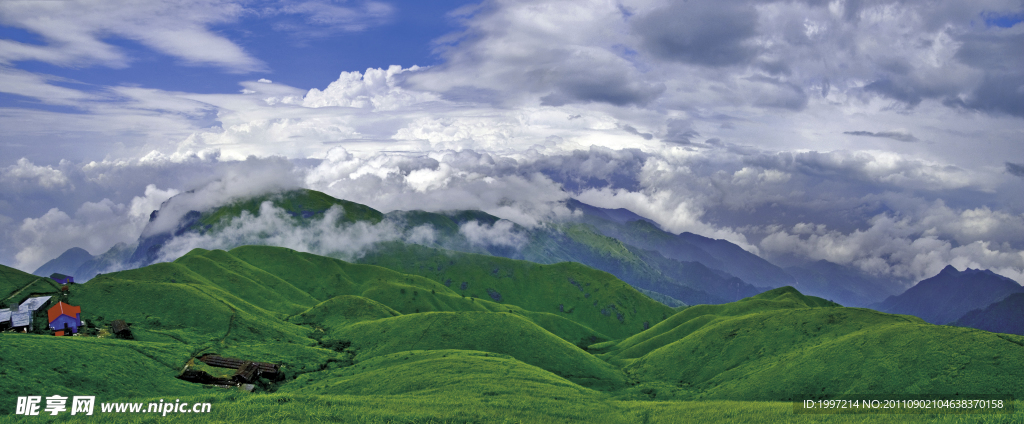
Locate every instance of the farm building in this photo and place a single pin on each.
(5, 318)
(21, 320)
(64, 318)
(62, 279)
(21, 316)
(35, 303)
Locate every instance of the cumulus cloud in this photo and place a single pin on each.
(249, 180)
(25, 171)
(913, 248)
(376, 89)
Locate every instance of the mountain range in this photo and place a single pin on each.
(685, 267)
(950, 294)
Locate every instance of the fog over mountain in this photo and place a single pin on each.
(880, 136)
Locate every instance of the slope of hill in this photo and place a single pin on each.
(16, 285)
(581, 294)
(694, 318)
(1004, 316)
(845, 285)
(503, 333)
(950, 294)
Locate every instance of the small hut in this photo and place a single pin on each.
(120, 329)
(62, 279)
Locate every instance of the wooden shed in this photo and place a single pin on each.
(266, 369)
(120, 329)
(247, 373)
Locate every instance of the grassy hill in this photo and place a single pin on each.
(781, 344)
(581, 294)
(503, 333)
(586, 241)
(365, 343)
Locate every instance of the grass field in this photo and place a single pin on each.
(389, 409)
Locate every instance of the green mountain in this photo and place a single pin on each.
(584, 241)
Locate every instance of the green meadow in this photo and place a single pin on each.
(473, 338)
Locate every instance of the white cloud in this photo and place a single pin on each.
(41, 176)
(501, 233)
(375, 89)
(275, 227)
(913, 247)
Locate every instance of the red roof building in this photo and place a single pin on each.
(63, 316)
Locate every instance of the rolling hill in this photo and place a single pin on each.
(383, 344)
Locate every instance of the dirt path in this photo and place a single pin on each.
(22, 289)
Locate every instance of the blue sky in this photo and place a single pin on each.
(300, 57)
(882, 135)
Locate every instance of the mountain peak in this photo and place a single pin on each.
(949, 270)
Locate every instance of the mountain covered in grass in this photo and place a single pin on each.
(950, 294)
(588, 238)
(1004, 316)
(482, 336)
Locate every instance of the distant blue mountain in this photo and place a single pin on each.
(842, 284)
(727, 258)
(66, 263)
(950, 295)
(1004, 316)
(84, 267)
